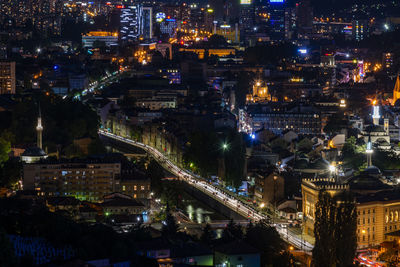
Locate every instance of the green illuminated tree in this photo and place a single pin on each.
(5, 148)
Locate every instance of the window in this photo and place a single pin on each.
(134, 195)
(142, 187)
(135, 187)
(123, 188)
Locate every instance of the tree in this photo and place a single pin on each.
(156, 173)
(216, 40)
(324, 251)
(234, 160)
(232, 232)
(208, 235)
(267, 240)
(346, 237)
(5, 149)
(335, 230)
(10, 173)
(170, 227)
(96, 147)
(335, 124)
(349, 147)
(305, 145)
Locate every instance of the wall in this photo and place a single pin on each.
(217, 206)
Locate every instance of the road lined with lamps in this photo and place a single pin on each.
(201, 184)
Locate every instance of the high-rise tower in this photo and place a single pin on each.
(396, 90)
(39, 130)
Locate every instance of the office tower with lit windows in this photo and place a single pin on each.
(246, 16)
(277, 19)
(360, 29)
(7, 77)
(290, 23)
(147, 22)
(131, 23)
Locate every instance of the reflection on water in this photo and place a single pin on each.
(198, 215)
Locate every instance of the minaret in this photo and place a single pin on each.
(376, 116)
(369, 151)
(39, 130)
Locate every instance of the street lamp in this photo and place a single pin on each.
(224, 146)
(262, 205)
(332, 168)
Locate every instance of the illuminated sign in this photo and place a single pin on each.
(245, 2)
(302, 51)
(276, 1)
(160, 17)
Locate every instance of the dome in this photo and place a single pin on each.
(34, 152)
(372, 170)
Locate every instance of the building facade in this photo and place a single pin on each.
(84, 179)
(7, 77)
(378, 208)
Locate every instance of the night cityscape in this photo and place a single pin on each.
(228, 133)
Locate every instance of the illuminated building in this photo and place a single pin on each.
(246, 16)
(85, 179)
(260, 93)
(269, 187)
(231, 34)
(377, 204)
(387, 60)
(280, 116)
(109, 38)
(131, 24)
(147, 22)
(276, 20)
(168, 26)
(220, 52)
(360, 29)
(7, 77)
(396, 90)
(290, 23)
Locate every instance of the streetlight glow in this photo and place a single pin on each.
(332, 168)
(224, 146)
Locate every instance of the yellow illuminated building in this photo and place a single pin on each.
(377, 210)
(220, 52)
(109, 38)
(102, 33)
(396, 90)
(260, 93)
